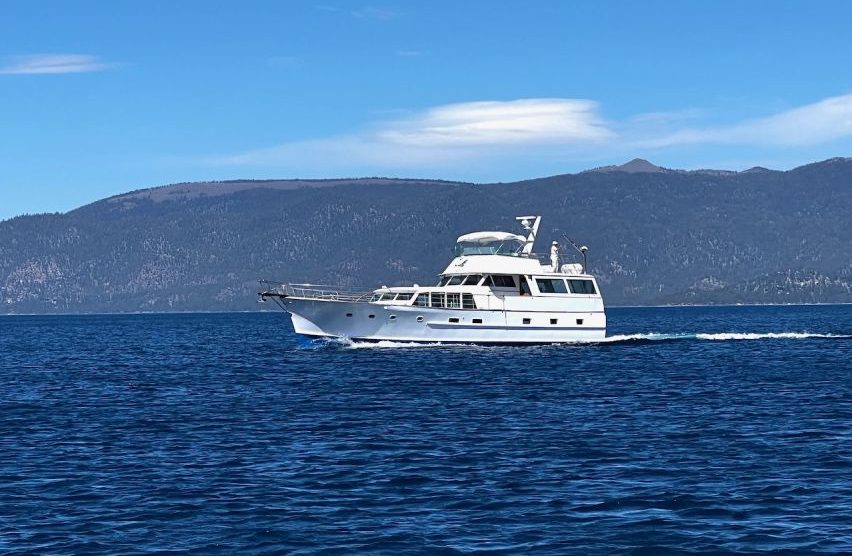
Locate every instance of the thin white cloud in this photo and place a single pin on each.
(52, 64)
(374, 13)
(449, 133)
(365, 12)
(478, 124)
(545, 130)
(823, 121)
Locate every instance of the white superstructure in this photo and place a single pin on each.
(495, 290)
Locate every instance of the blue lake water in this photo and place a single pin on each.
(696, 430)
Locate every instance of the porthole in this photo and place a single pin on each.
(527, 321)
(372, 316)
(348, 314)
(454, 319)
(554, 321)
(419, 319)
(580, 321)
(477, 321)
(392, 317)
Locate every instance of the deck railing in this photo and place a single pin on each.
(314, 291)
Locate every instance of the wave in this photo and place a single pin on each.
(391, 344)
(646, 337)
(718, 336)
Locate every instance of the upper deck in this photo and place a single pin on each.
(491, 271)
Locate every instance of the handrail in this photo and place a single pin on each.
(314, 291)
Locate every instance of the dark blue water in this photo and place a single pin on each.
(224, 434)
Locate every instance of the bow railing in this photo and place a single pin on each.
(313, 291)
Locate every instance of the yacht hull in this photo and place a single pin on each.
(377, 322)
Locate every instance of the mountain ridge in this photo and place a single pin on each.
(636, 165)
(655, 237)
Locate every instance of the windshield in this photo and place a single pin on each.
(508, 247)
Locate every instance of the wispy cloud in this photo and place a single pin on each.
(375, 14)
(478, 124)
(450, 132)
(366, 12)
(52, 63)
(823, 121)
(547, 130)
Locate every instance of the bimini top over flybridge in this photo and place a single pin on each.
(500, 243)
(495, 290)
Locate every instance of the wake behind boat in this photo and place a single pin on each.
(495, 291)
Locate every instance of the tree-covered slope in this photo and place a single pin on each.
(655, 237)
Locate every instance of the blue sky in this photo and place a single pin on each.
(98, 98)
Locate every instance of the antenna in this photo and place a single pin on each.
(530, 224)
(582, 249)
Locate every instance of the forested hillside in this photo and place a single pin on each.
(656, 236)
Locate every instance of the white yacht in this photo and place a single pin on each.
(495, 291)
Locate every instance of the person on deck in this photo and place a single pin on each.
(554, 256)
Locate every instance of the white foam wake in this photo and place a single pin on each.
(391, 344)
(617, 338)
(721, 336)
(766, 336)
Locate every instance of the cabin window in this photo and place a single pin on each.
(420, 319)
(422, 300)
(500, 281)
(375, 297)
(372, 316)
(554, 321)
(453, 300)
(526, 321)
(443, 281)
(438, 299)
(551, 285)
(582, 286)
(392, 317)
(580, 322)
(348, 314)
(404, 296)
(454, 319)
(467, 301)
(387, 297)
(477, 321)
(473, 280)
(456, 280)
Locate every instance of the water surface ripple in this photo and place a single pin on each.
(699, 430)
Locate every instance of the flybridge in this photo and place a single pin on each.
(500, 243)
